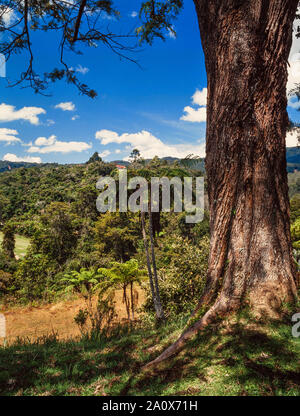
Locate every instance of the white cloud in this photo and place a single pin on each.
(74, 118)
(82, 69)
(43, 141)
(9, 136)
(293, 72)
(108, 136)
(9, 113)
(105, 153)
(193, 115)
(67, 106)
(117, 151)
(294, 62)
(52, 145)
(171, 34)
(10, 157)
(50, 122)
(292, 138)
(133, 14)
(196, 115)
(149, 145)
(8, 17)
(200, 97)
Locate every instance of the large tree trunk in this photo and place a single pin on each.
(246, 46)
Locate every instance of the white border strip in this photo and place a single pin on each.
(2, 326)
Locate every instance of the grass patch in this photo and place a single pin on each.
(22, 244)
(260, 360)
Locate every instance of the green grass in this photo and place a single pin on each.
(261, 360)
(22, 244)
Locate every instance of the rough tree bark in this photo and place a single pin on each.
(246, 46)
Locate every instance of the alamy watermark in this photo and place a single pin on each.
(154, 196)
(2, 326)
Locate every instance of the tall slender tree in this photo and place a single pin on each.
(152, 278)
(9, 241)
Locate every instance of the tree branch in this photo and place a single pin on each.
(78, 21)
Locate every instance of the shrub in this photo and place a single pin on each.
(35, 277)
(182, 274)
(8, 243)
(6, 282)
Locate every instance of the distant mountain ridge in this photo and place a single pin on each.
(292, 157)
(6, 166)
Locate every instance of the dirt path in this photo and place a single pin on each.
(35, 322)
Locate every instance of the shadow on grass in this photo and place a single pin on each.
(53, 367)
(237, 361)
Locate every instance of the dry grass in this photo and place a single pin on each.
(34, 322)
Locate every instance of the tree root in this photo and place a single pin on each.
(211, 315)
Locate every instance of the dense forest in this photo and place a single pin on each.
(76, 251)
(55, 207)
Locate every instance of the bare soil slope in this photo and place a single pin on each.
(34, 322)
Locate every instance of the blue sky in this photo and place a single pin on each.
(158, 107)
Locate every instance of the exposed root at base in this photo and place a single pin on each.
(214, 312)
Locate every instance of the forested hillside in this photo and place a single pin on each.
(27, 190)
(293, 158)
(75, 250)
(55, 206)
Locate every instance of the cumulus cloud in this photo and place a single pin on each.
(105, 153)
(292, 138)
(149, 145)
(10, 157)
(108, 136)
(9, 113)
(67, 106)
(43, 141)
(196, 115)
(52, 145)
(294, 64)
(200, 97)
(293, 72)
(9, 136)
(74, 118)
(133, 14)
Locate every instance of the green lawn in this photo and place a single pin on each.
(257, 360)
(22, 244)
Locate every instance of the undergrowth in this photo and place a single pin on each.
(257, 358)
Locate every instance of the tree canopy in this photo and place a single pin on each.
(80, 25)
